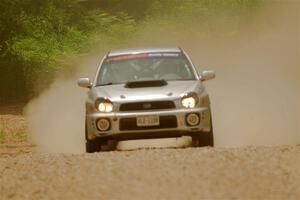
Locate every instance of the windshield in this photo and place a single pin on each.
(148, 66)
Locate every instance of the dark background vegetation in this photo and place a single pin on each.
(38, 38)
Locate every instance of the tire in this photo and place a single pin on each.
(204, 139)
(98, 144)
(91, 146)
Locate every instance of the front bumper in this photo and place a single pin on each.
(179, 115)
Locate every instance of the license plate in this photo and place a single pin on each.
(152, 120)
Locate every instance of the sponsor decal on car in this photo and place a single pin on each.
(137, 56)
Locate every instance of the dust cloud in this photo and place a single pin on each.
(56, 119)
(255, 97)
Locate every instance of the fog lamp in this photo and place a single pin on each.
(103, 124)
(193, 119)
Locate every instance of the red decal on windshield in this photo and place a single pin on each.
(126, 57)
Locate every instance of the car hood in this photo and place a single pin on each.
(173, 90)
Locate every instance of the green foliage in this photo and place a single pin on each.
(37, 37)
(18, 137)
(200, 11)
(51, 36)
(41, 35)
(2, 136)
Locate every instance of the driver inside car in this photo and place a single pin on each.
(168, 69)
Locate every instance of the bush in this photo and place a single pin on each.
(2, 136)
(38, 37)
(42, 35)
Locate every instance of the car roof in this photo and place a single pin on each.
(119, 52)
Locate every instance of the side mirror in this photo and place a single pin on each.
(207, 75)
(84, 82)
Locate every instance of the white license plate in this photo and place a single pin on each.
(152, 120)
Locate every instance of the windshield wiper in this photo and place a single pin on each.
(109, 83)
(184, 79)
(104, 84)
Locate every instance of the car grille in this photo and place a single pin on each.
(156, 105)
(128, 124)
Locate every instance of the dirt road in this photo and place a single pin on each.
(183, 173)
(258, 82)
(191, 173)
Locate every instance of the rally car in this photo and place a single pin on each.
(147, 93)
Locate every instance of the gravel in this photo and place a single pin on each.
(190, 173)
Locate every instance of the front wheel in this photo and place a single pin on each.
(100, 144)
(92, 146)
(204, 139)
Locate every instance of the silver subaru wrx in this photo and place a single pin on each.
(147, 93)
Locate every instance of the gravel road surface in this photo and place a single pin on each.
(190, 173)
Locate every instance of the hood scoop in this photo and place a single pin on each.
(142, 84)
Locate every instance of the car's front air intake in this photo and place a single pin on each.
(146, 83)
(156, 105)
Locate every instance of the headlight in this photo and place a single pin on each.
(104, 105)
(190, 100)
